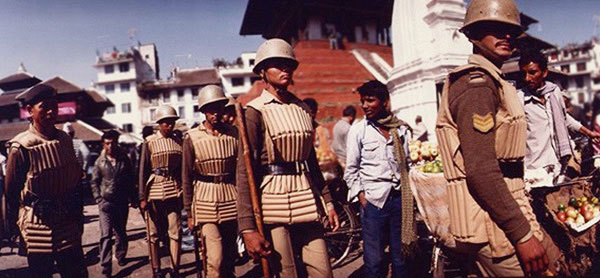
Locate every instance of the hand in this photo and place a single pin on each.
(595, 136)
(334, 219)
(256, 245)
(190, 223)
(134, 204)
(143, 205)
(532, 255)
(362, 199)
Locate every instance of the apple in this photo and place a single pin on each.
(588, 215)
(585, 208)
(562, 216)
(571, 212)
(570, 220)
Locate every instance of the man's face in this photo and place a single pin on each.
(500, 42)
(214, 113)
(279, 72)
(533, 75)
(166, 126)
(372, 106)
(44, 112)
(109, 146)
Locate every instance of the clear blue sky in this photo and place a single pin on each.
(60, 37)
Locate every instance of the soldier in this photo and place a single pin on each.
(481, 128)
(209, 159)
(229, 112)
(160, 187)
(42, 183)
(280, 134)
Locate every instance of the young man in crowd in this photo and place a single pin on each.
(377, 173)
(113, 187)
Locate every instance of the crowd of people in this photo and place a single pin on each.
(260, 179)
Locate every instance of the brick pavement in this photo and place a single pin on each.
(14, 266)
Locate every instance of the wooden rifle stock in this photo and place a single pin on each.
(251, 183)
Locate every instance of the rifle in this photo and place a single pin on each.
(251, 183)
(199, 253)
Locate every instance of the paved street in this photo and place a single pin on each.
(14, 266)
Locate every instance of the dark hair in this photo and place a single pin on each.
(533, 56)
(374, 88)
(312, 104)
(147, 131)
(349, 111)
(111, 135)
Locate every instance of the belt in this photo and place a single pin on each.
(512, 169)
(228, 178)
(161, 172)
(286, 168)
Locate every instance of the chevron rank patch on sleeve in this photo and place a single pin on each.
(483, 124)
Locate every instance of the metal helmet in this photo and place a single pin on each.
(273, 48)
(210, 94)
(504, 11)
(166, 112)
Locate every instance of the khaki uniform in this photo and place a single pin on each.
(210, 195)
(160, 185)
(281, 139)
(45, 173)
(482, 150)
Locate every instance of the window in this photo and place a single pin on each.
(126, 107)
(154, 99)
(581, 97)
(109, 69)
(124, 67)
(128, 127)
(166, 97)
(579, 81)
(152, 114)
(110, 110)
(253, 79)
(597, 80)
(554, 57)
(237, 81)
(564, 83)
(180, 95)
(251, 62)
(109, 89)
(181, 112)
(195, 93)
(581, 67)
(124, 87)
(564, 68)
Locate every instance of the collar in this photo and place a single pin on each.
(266, 97)
(36, 132)
(483, 62)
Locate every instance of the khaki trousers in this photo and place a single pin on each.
(305, 236)
(165, 217)
(220, 246)
(481, 256)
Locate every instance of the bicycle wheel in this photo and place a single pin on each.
(339, 243)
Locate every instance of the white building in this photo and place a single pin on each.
(180, 91)
(238, 79)
(581, 64)
(119, 73)
(427, 45)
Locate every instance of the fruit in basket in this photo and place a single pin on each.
(596, 211)
(571, 212)
(572, 201)
(561, 207)
(594, 201)
(580, 220)
(588, 215)
(585, 208)
(562, 216)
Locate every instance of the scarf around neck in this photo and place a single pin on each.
(409, 228)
